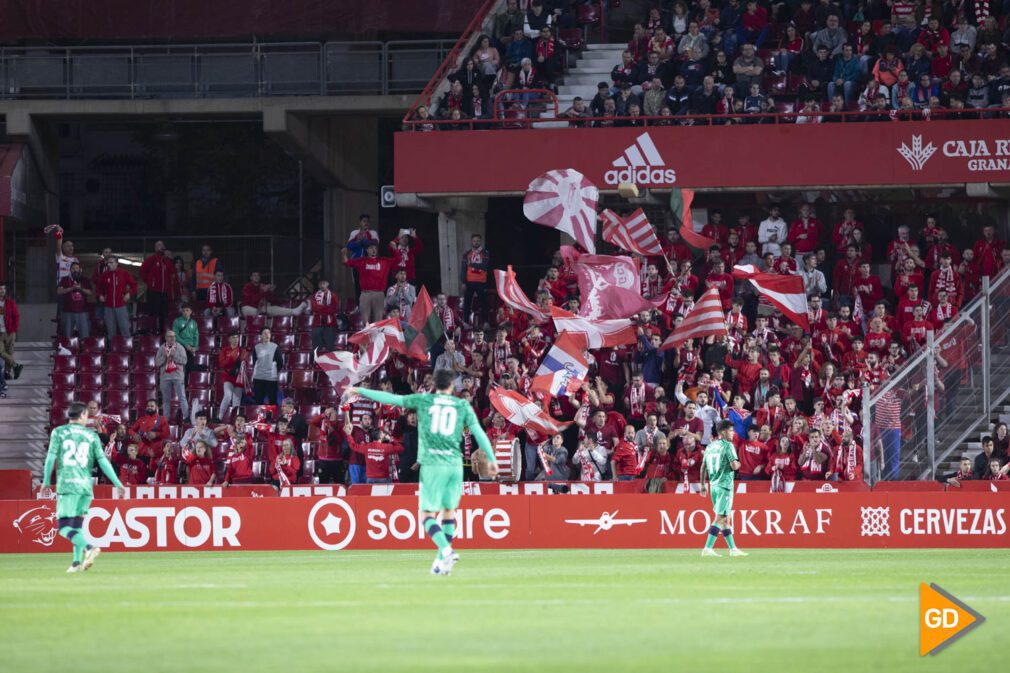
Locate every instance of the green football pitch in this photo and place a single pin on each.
(585, 611)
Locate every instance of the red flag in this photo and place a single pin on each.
(521, 411)
(610, 289)
(389, 329)
(564, 200)
(633, 234)
(784, 292)
(687, 232)
(424, 328)
(596, 333)
(704, 319)
(513, 295)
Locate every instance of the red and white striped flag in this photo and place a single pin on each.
(521, 411)
(564, 200)
(597, 333)
(633, 234)
(389, 330)
(784, 292)
(513, 295)
(705, 319)
(345, 368)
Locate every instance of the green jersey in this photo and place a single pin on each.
(718, 457)
(440, 422)
(74, 450)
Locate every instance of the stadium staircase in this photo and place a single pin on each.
(24, 414)
(592, 66)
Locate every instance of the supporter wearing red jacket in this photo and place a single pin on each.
(846, 272)
(805, 231)
(942, 247)
(404, 251)
(166, 466)
(878, 339)
(199, 465)
(848, 458)
(329, 454)
(988, 251)
(660, 464)
(373, 272)
(283, 469)
(867, 286)
(689, 461)
(715, 229)
(914, 332)
(782, 462)
(944, 311)
(753, 455)
(220, 297)
(734, 249)
(600, 431)
(909, 276)
(842, 235)
(132, 470)
(946, 278)
(378, 453)
(746, 371)
(815, 458)
(624, 459)
(785, 264)
(722, 281)
(114, 289)
(150, 432)
(324, 304)
(158, 273)
(971, 274)
(238, 466)
(674, 248)
(12, 322)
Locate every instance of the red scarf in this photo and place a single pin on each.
(636, 395)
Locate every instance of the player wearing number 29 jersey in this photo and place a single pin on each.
(73, 451)
(440, 421)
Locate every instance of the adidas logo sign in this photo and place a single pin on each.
(640, 164)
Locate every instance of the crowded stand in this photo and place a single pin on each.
(742, 62)
(209, 385)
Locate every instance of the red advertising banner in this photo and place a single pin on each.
(754, 156)
(799, 520)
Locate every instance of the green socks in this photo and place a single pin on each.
(728, 534)
(713, 535)
(435, 532)
(76, 537)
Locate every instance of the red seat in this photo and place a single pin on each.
(301, 379)
(143, 393)
(199, 380)
(304, 341)
(145, 324)
(117, 362)
(282, 324)
(255, 324)
(64, 380)
(90, 380)
(201, 396)
(202, 360)
(121, 344)
(310, 411)
(573, 38)
(282, 379)
(299, 360)
(587, 14)
(91, 362)
(117, 380)
(147, 343)
(341, 340)
(304, 322)
(65, 364)
(118, 399)
(285, 342)
(306, 396)
(226, 325)
(144, 362)
(208, 343)
(86, 395)
(63, 397)
(95, 344)
(73, 344)
(147, 379)
(205, 323)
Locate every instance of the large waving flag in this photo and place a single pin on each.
(345, 368)
(424, 328)
(513, 295)
(610, 289)
(704, 319)
(680, 206)
(389, 329)
(564, 368)
(784, 292)
(633, 234)
(595, 333)
(521, 411)
(564, 200)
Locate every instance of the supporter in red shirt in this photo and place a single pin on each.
(746, 372)
(257, 298)
(238, 465)
(158, 273)
(946, 278)
(715, 229)
(815, 458)
(908, 276)
(940, 248)
(132, 470)
(373, 273)
(805, 231)
(971, 274)
(324, 305)
(877, 338)
(199, 465)
(687, 282)
(782, 463)
(166, 467)
(867, 286)
(753, 455)
(674, 248)
(636, 397)
(842, 236)
(889, 321)
(689, 460)
(329, 454)
(717, 278)
(944, 311)
(283, 469)
(150, 432)
(849, 458)
(448, 315)
(75, 291)
(555, 285)
(404, 251)
(748, 230)
(220, 297)
(786, 264)
(733, 250)
(847, 322)
(624, 459)
(114, 289)
(601, 432)
(913, 333)
(275, 443)
(652, 283)
(772, 414)
(688, 426)
(846, 272)
(855, 358)
(660, 464)
(988, 251)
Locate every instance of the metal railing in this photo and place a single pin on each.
(945, 392)
(219, 70)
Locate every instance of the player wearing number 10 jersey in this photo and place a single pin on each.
(441, 418)
(718, 464)
(73, 450)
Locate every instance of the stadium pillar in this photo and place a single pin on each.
(459, 219)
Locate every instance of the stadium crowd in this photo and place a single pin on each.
(242, 400)
(899, 60)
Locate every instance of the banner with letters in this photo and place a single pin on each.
(663, 157)
(797, 520)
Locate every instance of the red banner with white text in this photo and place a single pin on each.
(752, 156)
(798, 520)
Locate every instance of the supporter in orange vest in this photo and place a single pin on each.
(204, 269)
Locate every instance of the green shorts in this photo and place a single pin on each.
(722, 500)
(72, 505)
(441, 487)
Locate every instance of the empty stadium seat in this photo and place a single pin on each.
(72, 344)
(90, 362)
(285, 342)
(95, 344)
(207, 344)
(299, 360)
(204, 324)
(117, 362)
(144, 362)
(282, 324)
(118, 380)
(64, 380)
(148, 343)
(226, 325)
(121, 344)
(65, 364)
(302, 379)
(304, 341)
(199, 380)
(90, 380)
(304, 322)
(255, 324)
